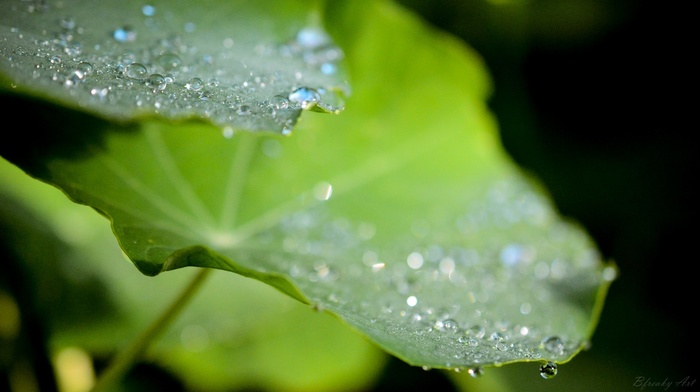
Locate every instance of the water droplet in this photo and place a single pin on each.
(476, 372)
(329, 68)
(169, 61)
(548, 370)
(305, 97)
(447, 265)
(476, 331)
(279, 102)
(86, 68)
(156, 82)
(497, 337)
(148, 10)
(525, 308)
(100, 93)
(412, 301)
(124, 34)
(194, 84)
(609, 274)
(312, 37)
(67, 23)
(136, 71)
(449, 325)
(244, 110)
(554, 345)
(227, 132)
(74, 78)
(415, 260)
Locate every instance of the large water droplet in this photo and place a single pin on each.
(156, 82)
(136, 71)
(305, 97)
(554, 345)
(476, 372)
(194, 84)
(279, 102)
(548, 370)
(169, 61)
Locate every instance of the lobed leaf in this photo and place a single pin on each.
(403, 216)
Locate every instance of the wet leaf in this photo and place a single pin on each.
(403, 216)
(236, 333)
(240, 65)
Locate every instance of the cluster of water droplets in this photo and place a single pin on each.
(157, 66)
(464, 302)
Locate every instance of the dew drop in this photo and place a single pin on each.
(609, 274)
(449, 325)
(305, 97)
(67, 23)
(525, 308)
(476, 372)
(74, 78)
(148, 10)
(156, 82)
(136, 71)
(124, 34)
(311, 38)
(548, 370)
(244, 110)
(227, 132)
(100, 93)
(194, 84)
(86, 68)
(554, 345)
(415, 260)
(279, 102)
(412, 301)
(329, 68)
(169, 61)
(477, 331)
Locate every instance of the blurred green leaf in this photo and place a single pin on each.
(403, 216)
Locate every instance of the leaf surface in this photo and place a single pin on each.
(403, 216)
(240, 65)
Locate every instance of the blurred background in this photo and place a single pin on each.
(591, 97)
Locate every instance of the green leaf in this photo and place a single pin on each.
(240, 65)
(237, 333)
(403, 216)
